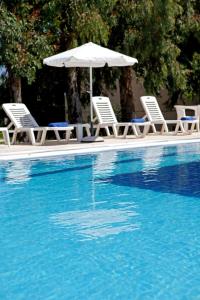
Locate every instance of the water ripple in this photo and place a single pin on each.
(97, 223)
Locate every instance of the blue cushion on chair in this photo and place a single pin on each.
(138, 120)
(58, 124)
(188, 118)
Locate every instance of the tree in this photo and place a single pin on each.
(164, 37)
(76, 22)
(23, 42)
(187, 37)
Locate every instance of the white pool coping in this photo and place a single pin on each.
(18, 152)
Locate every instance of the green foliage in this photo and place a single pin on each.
(192, 93)
(150, 30)
(22, 44)
(164, 35)
(93, 26)
(80, 21)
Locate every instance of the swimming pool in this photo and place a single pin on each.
(113, 225)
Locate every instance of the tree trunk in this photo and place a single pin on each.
(126, 94)
(16, 88)
(73, 98)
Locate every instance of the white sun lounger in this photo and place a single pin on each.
(182, 111)
(106, 118)
(155, 116)
(23, 121)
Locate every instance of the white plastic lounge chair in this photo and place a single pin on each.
(106, 118)
(155, 116)
(182, 114)
(23, 121)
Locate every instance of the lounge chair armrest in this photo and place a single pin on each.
(60, 128)
(172, 121)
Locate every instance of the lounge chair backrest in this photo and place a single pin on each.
(152, 108)
(19, 115)
(103, 110)
(182, 111)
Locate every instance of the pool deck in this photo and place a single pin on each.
(53, 148)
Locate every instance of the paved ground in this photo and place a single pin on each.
(53, 148)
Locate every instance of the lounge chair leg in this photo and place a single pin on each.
(135, 130)
(97, 131)
(154, 128)
(115, 131)
(14, 138)
(107, 131)
(192, 127)
(88, 131)
(67, 135)
(137, 127)
(31, 136)
(6, 138)
(181, 127)
(186, 127)
(145, 130)
(39, 134)
(57, 135)
(43, 138)
(164, 129)
(125, 131)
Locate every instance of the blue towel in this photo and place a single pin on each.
(58, 124)
(138, 120)
(188, 118)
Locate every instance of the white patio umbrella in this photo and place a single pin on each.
(92, 56)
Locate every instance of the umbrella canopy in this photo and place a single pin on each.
(92, 56)
(89, 55)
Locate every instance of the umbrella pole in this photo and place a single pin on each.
(92, 138)
(91, 108)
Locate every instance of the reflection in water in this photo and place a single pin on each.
(94, 224)
(105, 163)
(152, 158)
(18, 172)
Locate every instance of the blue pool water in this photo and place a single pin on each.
(114, 225)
